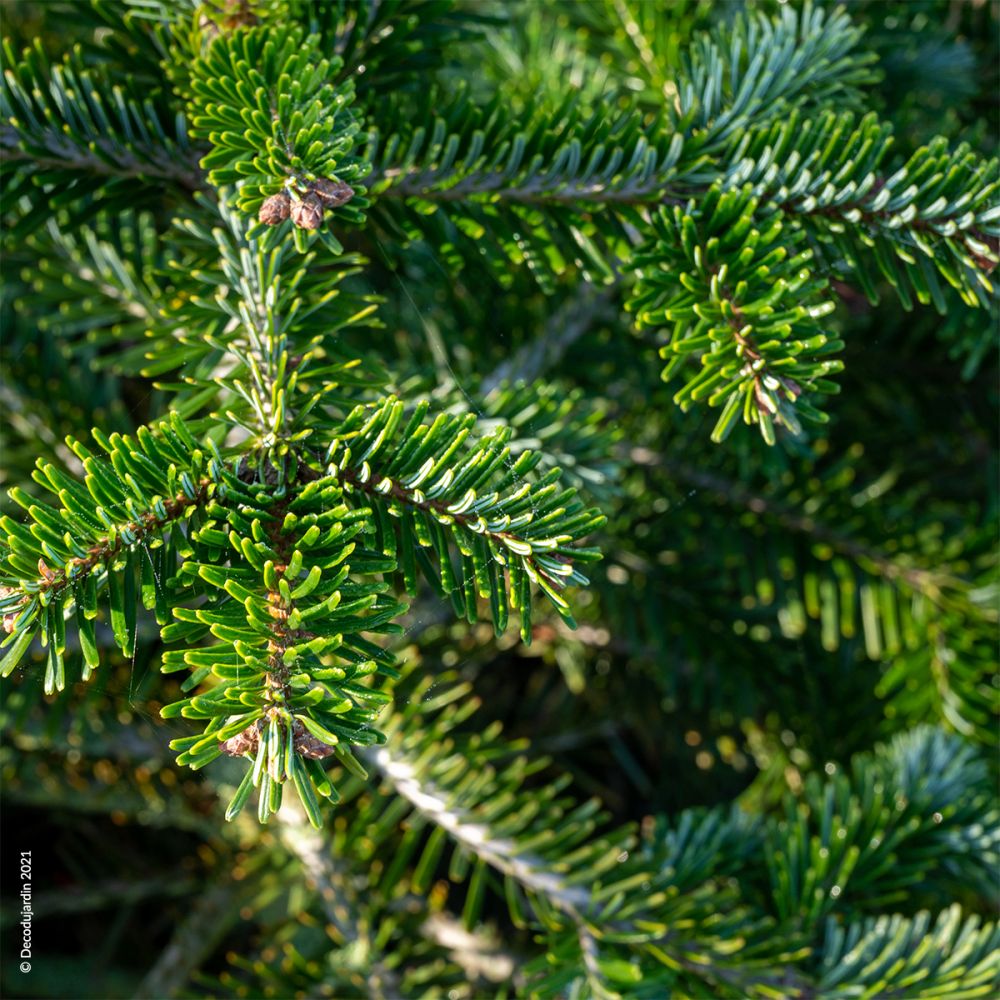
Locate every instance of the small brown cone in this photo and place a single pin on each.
(332, 193)
(275, 209)
(308, 213)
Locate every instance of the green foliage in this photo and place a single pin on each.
(275, 122)
(116, 527)
(469, 174)
(762, 68)
(114, 132)
(933, 216)
(746, 306)
(280, 610)
(272, 553)
(896, 957)
(320, 275)
(571, 432)
(262, 308)
(474, 503)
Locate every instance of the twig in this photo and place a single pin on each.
(569, 323)
(332, 883)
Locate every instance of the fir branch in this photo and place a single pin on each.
(68, 118)
(510, 532)
(742, 302)
(570, 431)
(149, 485)
(934, 584)
(109, 269)
(206, 923)
(935, 214)
(270, 521)
(105, 547)
(333, 885)
(257, 331)
(899, 958)
(284, 602)
(493, 187)
(761, 68)
(459, 811)
(279, 127)
(528, 869)
(576, 317)
(51, 150)
(477, 954)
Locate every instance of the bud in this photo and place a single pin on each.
(308, 213)
(275, 209)
(237, 13)
(47, 575)
(306, 745)
(242, 743)
(332, 193)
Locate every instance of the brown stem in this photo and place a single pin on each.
(276, 678)
(103, 551)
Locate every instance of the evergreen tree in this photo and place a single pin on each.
(530, 469)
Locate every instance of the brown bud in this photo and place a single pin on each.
(308, 213)
(242, 743)
(306, 745)
(332, 193)
(275, 209)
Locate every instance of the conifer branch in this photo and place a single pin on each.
(284, 133)
(569, 323)
(149, 485)
(431, 186)
(529, 870)
(314, 469)
(472, 524)
(52, 582)
(50, 149)
(434, 487)
(285, 601)
(66, 117)
(934, 584)
(212, 914)
(332, 884)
